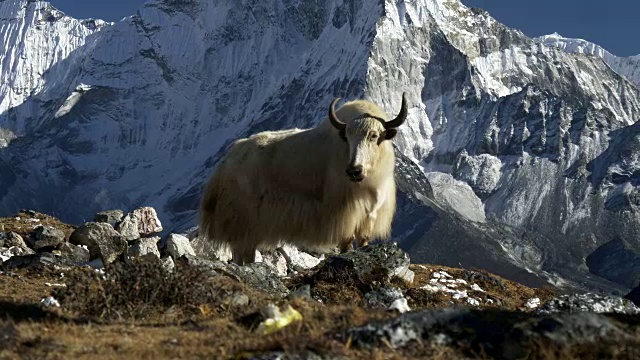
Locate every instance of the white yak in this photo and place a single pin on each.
(317, 187)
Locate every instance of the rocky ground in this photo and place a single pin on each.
(112, 288)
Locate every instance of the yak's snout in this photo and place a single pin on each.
(355, 173)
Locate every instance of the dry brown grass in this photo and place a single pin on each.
(143, 312)
(22, 223)
(200, 325)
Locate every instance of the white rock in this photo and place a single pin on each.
(143, 247)
(167, 263)
(459, 294)
(533, 303)
(472, 301)
(299, 259)
(55, 284)
(276, 260)
(138, 223)
(405, 274)
(400, 305)
(178, 246)
(49, 301)
(476, 287)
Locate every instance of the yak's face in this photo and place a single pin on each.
(364, 137)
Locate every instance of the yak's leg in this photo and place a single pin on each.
(242, 255)
(346, 244)
(363, 241)
(370, 222)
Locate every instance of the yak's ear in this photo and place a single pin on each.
(390, 133)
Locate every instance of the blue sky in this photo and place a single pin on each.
(612, 24)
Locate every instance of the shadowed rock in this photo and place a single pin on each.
(101, 239)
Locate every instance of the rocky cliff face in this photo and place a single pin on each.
(627, 66)
(528, 150)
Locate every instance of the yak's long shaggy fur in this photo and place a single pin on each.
(290, 186)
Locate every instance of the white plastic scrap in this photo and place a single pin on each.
(50, 284)
(49, 301)
(533, 303)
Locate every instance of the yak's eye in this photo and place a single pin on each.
(374, 137)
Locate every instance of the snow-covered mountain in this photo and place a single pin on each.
(35, 37)
(627, 66)
(530, 151)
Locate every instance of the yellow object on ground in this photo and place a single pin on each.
(279, 320)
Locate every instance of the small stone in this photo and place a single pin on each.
(205, 249)
(74, 253)
(178, 246)
(258, 257)
(405, 274)
(236, 300)
(8, 253)
(382, 298)
(142, 247)
(400, 305)
(101, 240)
(109, 216)
(167, 263)
(473, 301)
(533, 303)
(303, 291)
(275, 260)
(374, 263)
(45, 236)
(139, 223)
(38, 260)
(258, 276)
(49, 301)
(12, 239)
(299, 260)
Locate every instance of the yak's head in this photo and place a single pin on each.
(365, 134)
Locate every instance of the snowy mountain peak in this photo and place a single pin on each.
(628, 67)
(36, 36)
